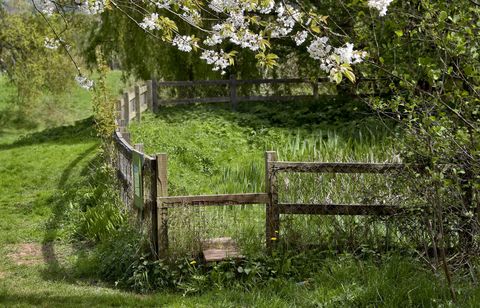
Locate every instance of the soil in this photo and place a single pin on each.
(32, 254)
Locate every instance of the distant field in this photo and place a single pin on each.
(50, 111)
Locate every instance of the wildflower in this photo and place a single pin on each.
(193, 262)
(273, 238)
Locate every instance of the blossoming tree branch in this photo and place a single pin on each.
(247, 24)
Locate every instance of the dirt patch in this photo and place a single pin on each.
(2, 275)
(32, 254)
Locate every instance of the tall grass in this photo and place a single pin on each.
(212, 150)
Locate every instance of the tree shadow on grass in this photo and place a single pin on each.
(326, 111)
(79, 132)
(61, 204)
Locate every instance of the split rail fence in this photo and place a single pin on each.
(148, 176)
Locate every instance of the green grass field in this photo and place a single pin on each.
(43, 265)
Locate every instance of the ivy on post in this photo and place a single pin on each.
(272, 214)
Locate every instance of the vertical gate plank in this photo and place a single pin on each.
(272, 214)
(162, 191)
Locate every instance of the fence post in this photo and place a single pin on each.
(138, 110)
(233, 92)
(272, 215)
(154, 96)
(149, 96)
(315, 88)
(126, 108)
(162, 212)
(118, 113)
(138, 147)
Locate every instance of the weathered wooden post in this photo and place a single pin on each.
(149, 95)
(233, 92)
(138, 108)
(315, 88)
(126, 108)
(137, 175)
(162, 212)
(118, 113)
(272, 214)
(154, 96)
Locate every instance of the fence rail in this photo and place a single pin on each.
(153, 182)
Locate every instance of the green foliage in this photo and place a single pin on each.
(43, 77)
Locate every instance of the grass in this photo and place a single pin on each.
(213, 150)
(41, 263)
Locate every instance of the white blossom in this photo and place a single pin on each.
(191, 16)
(220, 6)
(319, 48)
(300, 37)
(51, 43)
(237, 19)
(47, 7)
(162, 4)
(150, 22)
(348, 55)
(247, 39)
(380, 5)
(95, 7)
(287, 17)
(184, 43)
(218, 59)
(84, 82)
(267, 8)
(213, 39)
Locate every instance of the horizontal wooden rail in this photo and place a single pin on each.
(184, 101)
(213, 200)
(225, 99)
(339, 209)
(336, 167)
(126, 148)
(190, 83)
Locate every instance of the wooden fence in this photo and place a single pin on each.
(136, 100)
(154, 181)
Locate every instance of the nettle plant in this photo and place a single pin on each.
(254, 25)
